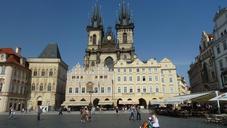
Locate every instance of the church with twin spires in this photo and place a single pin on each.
(103, 46)
(112, 75)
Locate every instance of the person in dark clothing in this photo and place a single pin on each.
(138, 115)
(60, 111)
(39, 112)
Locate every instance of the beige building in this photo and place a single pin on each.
(14, 80)
(144, 82)
(48, 79)
(85, 86)
(112, 75)
(182, 86)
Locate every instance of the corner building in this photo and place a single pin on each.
(14, 80)
(48, 79)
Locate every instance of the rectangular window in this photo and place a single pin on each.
(125, 78)
(70, 90)
(119, 70)
(102, 89)
(138, 78)
(119, 78)
(155, 70)
(144, 78)
(170, 80)
(218, 49)
(131, 90)
(73, 77)
(150, 69)
(171, 90)
(138, 89)
(137, 70)
(49, 88)
(130, 70)
(109, 90)
(105, 76)
(96, 77)
(83, 89)
(130, 78)
(150, 89)
(33, 87)
(124, 69)
(100, 77)
(76, 90)
(156, 78)
(143, 69)
(96, 90)
(157, 89)
(125, 89)
(163, 89)
(144, 89)
(119, 89)
(2, 70)
(150, 78)
(163, 81)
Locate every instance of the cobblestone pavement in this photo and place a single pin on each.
(100, 120)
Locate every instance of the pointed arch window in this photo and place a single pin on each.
(94, 39)
(124, 37)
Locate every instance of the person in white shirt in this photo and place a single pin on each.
(155, 122)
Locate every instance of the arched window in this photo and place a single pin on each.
(94, 39)
(49, 87)
(35, 73)
(124, 37)
(41, 87)
(51, 72)
(93, 63)
(109, 63)
(33, 86)
(43, 73)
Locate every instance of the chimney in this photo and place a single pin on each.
(18, 50)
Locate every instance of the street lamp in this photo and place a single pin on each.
(90, 91)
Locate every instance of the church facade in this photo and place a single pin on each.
(112, 75)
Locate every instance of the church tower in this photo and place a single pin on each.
(125, 31)
(95, 34)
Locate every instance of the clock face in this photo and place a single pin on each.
(109, 37)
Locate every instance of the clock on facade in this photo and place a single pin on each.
(109, 37)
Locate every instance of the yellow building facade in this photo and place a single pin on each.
(48, 79)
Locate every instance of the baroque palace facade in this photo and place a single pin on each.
(112, 75)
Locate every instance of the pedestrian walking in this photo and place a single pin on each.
(138, 115)
(39, 112)
(60, 111)
(131, 110)
(12, 113)
(117, 110)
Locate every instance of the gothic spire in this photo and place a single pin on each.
(96, 18)
(124, 16)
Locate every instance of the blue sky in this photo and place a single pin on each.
(163, 28)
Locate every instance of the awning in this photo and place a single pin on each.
(222, 97)
(200, 97)
(128, 102)
(106, 103)
(75, 103)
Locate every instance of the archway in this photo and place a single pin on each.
(142, 102)
(96, 102)
(118, 101)
(39, 100)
